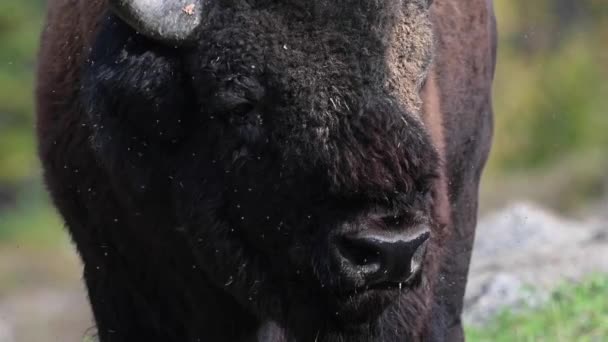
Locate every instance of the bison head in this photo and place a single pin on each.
(286, 139)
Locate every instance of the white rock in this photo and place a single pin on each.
(6, 333)
(527, 247)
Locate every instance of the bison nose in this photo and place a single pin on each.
(382, 258)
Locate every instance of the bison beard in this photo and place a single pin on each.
(207, 186)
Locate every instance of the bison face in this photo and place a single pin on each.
(285, 138)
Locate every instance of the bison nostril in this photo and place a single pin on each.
(382, 257)
(358, 251)
(236, 96)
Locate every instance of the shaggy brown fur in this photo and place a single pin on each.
(198, 223)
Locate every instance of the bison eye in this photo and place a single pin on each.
(239, 113)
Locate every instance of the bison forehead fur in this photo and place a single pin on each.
(205, 185)
(326, 92)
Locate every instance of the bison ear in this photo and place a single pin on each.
(174, 22)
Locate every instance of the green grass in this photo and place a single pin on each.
(575, 312)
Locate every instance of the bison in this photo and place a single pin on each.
(268, 170)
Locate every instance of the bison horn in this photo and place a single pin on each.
(169, 21)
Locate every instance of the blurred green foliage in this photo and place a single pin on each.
(20, 23)
(550, 96)
(31, 220)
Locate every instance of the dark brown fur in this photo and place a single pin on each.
(137, 227)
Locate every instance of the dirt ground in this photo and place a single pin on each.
(42, 298)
